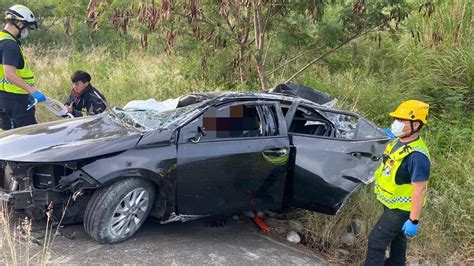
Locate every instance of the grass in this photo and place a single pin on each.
(120, 79)
(19, 246)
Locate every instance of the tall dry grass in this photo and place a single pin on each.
(23, 242)
(17, 244)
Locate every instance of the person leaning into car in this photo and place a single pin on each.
(83, 99)
(17, 80)
(400, 185)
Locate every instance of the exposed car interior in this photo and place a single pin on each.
(311, 123)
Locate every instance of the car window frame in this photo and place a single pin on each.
(282, 129)
(306, 104)
(308, 111)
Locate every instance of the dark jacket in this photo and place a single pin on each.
(87, 102)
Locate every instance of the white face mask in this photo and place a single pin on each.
(397, 128)
(24, 34)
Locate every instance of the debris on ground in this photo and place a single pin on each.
(343, 251)
(347, 239)
(261, 224)
(293, 237)
(249, 214)
(358, 226)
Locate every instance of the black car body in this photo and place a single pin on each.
(216, 153)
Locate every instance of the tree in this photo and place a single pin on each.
(247, 28)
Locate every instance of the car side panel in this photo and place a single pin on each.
(233, 175)
(157, 164)
(327, 171)
(159, 160)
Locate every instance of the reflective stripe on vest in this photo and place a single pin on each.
(24, 73)
(388, 192)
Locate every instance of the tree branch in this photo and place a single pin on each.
(203, 20)
(293, 59)
(233, 33)
(329, 52)
(259, 43)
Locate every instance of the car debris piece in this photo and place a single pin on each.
(358, 226)
(293, 237)
(343, 251)
(261, 224)
(348, 239)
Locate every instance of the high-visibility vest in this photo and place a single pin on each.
(24, 73)
(388, 192)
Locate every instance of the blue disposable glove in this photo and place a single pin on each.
(38, 96)
(409, 228)
(389, 133)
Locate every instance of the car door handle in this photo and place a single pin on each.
(276, 156)
(280, 152)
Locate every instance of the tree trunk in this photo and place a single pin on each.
(69, 25)
(243, 78)
(259, 43)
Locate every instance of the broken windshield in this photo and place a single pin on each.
(147, 120)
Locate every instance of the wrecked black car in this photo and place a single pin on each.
(213, 153)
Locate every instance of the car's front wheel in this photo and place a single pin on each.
(114, 213)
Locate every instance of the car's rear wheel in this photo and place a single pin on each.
(115, 213)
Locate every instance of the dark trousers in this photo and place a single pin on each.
(13, 113)
(388, 232)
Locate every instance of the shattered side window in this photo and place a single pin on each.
(147, 120)
(346, 125)
(352, 127)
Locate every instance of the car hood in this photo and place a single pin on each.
(67, 140)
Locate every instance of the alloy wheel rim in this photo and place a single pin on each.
(130, 212)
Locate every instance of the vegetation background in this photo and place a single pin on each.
(370, 55)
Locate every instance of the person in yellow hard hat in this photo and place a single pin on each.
(400, 185)
(17, 81)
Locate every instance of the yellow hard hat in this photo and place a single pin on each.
(412, 110)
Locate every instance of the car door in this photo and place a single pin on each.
(336, 152)
(232, 157)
